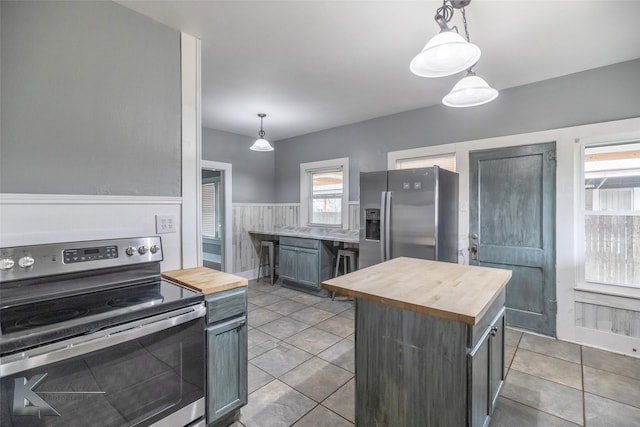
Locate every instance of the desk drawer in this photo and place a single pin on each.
(226, 304)
(300, 242)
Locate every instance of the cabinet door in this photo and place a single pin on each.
(288, 262)
(479, 387)
(226, 368)
(308, 267)
(496, 339)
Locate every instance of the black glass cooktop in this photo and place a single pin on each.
(45, 321)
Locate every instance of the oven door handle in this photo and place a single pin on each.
(98, 340)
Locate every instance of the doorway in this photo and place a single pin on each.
(512, 225)
(215, 215)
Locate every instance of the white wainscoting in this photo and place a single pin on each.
(254, 216)
(608, 319)
(30, 219)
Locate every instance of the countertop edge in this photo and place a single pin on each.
(468, 319)
(306, 236)
(431, 311)
(226, 281)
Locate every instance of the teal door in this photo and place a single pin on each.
(512, 226)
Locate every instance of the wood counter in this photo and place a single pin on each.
(451, 291)
(205, 280)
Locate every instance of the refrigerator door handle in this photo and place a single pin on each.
(387, 227)
(383, 229)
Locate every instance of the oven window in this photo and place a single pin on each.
(135, 383)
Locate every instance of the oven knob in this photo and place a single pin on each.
(154, 249)
(26, 261)
(130, 251)
(6, 263)
(142, 250)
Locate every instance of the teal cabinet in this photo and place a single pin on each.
(288, 263)
(227, 356)
(305, 263)
(450, 372)
(487, 372)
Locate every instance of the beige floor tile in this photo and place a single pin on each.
(338, 325)
(611, 362)
(548, 368)
(316, 378)
(509, 413)
(311, 315)
(601, 412)
(547, 396)
(322, 417)
(313, 340)
(275, 405)
(551, 347)
(612, 386)
(342, 401)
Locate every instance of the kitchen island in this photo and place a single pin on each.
(429, 342)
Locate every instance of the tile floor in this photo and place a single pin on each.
(301, 371)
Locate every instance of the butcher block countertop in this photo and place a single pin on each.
(451, 291)
(205, 280)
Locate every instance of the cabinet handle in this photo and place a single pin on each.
(493, 331)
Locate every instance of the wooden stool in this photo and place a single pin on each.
(270, 245)
(344, 255)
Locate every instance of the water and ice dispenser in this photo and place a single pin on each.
(372, 224)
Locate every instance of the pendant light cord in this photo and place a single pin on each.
(464, 21)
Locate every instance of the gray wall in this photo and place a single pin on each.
(90, 100)
(252, 171)
(599, 95)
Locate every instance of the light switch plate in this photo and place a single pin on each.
(166, 224)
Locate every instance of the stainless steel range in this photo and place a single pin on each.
(92, 335)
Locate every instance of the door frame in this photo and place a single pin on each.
(227, 251)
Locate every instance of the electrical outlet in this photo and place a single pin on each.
(166, 224)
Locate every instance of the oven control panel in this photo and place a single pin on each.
(89, 254)
(27, 262)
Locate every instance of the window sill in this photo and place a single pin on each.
(623, 297)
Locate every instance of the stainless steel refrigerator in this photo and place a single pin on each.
(408, 212)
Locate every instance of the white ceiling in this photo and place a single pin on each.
(313, 65)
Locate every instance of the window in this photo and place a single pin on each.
(612, 214)
(446, 161)
(324, 193)
(210, 209)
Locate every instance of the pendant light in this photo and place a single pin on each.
(447, 52)
(469, 92)
(261, 144)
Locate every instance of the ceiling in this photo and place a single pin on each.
(314, 65)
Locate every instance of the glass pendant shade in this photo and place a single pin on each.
(261, 144)
(445, 54)
(469, 92)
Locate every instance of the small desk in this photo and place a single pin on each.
(307, 255)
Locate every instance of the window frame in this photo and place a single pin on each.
(450, 155)
(306, 196)
(215, 182)
(581, 213)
